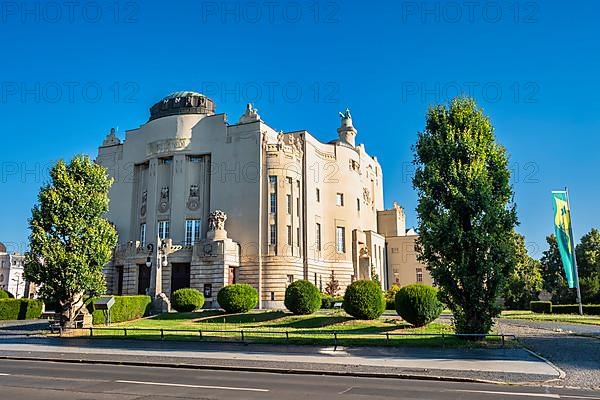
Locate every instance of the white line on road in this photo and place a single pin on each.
(546, 395)
(195, 386)
(1, 374)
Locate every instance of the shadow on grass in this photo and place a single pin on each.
(312, 322)
(186, 315)
(248, 318)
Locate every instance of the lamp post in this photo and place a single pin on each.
(18, 280)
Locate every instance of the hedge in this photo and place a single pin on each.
(11, 309)
(418, 304)
(5, 295)
(126, 308)
(589, 309)
(302, 298)
(187, 300)
(364, 300)
(238, 298)
(544, 307)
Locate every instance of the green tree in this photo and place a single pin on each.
(466, 211)
(525, 282)
(588, 263)
(70, 241)
(553, 280)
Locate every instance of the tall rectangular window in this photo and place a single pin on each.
(273, 234)
(339, 199)
(290, 279)
(419, 274)
(289, 204)
(297, 206)
(273, 180)
(163, 229)
(192, 231)
(298, 236)
(289, 235)
(318, 237)
(143, 234)
(273, 201)
(318, 193)
(340, 239)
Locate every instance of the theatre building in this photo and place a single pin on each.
(201, 202)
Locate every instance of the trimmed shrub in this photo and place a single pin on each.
(544, 307)
(326, 301)
(5, 295)
(126, 308)
(364, 300)
(390, 297)
(238, 298)
(418, 304)
(11, 309)
(302, 298)
(187, 300)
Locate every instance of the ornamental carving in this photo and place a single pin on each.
(366, 196)
(216, 220)
(167, 146)
(193, 202)
(163, 205)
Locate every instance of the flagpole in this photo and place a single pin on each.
(574, 256)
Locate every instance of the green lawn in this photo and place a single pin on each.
(283, 327)
(573, 318)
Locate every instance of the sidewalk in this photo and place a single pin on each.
(500, 365)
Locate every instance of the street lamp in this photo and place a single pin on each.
(163, 257)
(150, 248)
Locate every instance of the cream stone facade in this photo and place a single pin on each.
(199, 202)
(11, 273)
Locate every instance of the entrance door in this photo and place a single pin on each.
(143, 279)
(180, 276)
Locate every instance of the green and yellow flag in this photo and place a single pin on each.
(564, 234)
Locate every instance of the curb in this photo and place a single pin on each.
(403, 376)
(561, 374)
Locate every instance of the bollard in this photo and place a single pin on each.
(200, 334)
(91, 332)
(387, 337)
(242, 332)
(287, 337)
(125, 332)
(334, 341)
(162, 334)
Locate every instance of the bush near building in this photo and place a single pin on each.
(390, 297)
(12, 309)
(5, 295)
(418, 304)
(328, 302)
(187, 300)
(238, 298)
(302, 298)
(364, 300)
(126, 308)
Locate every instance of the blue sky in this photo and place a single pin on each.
(70, 74)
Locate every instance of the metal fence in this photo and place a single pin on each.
(334, 338)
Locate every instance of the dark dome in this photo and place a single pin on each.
(2, 248)
(182, 103)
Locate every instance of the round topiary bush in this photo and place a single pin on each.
(302, 297)
(418, 304)
(238, 298)
(5, 295)
(187, 300)
(364, 300)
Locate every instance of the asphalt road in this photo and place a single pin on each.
(37, 380)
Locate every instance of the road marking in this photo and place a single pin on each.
(347, 390)
(195, 386)
(1, 374)
(546, 395)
